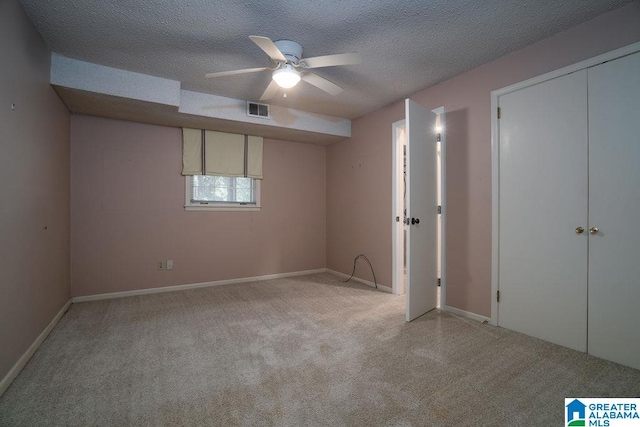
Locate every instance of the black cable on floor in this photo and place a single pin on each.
(375, 282)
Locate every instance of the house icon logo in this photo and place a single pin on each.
(576, 413)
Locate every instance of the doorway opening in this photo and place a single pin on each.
(400, 218)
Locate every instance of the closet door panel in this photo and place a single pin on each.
(614, 208)
(543, 199)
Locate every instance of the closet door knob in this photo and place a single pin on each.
(579, 230)
(594, 230)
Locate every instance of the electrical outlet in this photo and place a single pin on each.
(160, 265)
(170, 264)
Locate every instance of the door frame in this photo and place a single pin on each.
(495, 153)
(442, 124)
(396, 251)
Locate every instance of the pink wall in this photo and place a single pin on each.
(127, 212)
(34, 189)
(359, 169)
(359, 196)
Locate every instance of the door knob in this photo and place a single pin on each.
(579, 230)
(594, 230)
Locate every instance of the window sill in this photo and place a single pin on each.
(222, 208)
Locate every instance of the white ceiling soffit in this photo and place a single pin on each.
(405, 45)
(81, 75)
(104, 91)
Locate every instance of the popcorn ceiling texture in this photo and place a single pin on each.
(406, 46)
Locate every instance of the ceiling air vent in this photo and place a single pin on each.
(257, 110)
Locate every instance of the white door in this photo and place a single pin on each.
(614, 208)
(422, 210)
(542, 271)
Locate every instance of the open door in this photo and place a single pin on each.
(422, 210)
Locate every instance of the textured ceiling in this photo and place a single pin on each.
(406, 46)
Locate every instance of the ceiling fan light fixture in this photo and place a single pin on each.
(286, 77)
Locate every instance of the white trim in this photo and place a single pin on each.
(442, 115)
(467, 314)
(188, 206)
(175, 288)
(208, 208)
(396, 270)
(22, 362)
(357, 279)
(495, 207)
(495, 153)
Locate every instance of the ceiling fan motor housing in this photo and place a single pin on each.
(290, 49)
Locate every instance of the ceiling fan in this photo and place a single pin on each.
(289, 67)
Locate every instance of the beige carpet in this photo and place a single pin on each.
(306, 351)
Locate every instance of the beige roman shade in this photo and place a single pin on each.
(191, 151)
(220, 153)
(224, 153)
(254, 157)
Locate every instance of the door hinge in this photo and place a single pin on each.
(439, 209)
(439, 281)
(498, 296)
(438, 138)
(499, 113)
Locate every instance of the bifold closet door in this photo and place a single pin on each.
(614, 209)
(543, 199)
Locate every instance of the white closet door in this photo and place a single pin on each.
(614, 208)
(543, 199)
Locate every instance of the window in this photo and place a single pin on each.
(210, 192)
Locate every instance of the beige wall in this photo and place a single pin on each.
(127, 212)
(359, 169)
(34, 188)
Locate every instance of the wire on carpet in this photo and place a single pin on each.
(355, 260)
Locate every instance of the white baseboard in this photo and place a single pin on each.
(466, 314)
(193, 286)
(357, 279)
(22, 362)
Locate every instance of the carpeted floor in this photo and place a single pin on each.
(304, 351)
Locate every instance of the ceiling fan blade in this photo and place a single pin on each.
(231, 73)
(331, 60)
(270, 91)
(322, 83)
(269, 48)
